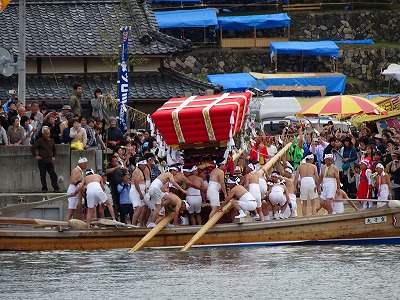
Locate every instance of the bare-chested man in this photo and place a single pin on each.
(242, 200)
(175, 204)
(307, 177)
(77, 175)
(196, 197)
(138, 191)
(330, 183)
(383, 185)
(251, 183)
(157, 195)
(94, 194)
(278, 195)
(289, 183)
(215, 185)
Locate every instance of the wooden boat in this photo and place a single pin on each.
(378, 225)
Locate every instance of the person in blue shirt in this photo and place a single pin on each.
(126, 207)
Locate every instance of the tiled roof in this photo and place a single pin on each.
(86, 28)
(161, 85)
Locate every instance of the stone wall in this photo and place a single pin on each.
(20, 172)
(363, 62)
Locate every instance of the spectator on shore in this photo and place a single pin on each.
(64, 124)
(3, 136)
(54, 125)
(25, 123)
(98, 105)
(12, 111)
(15, 132)
(44, 150)
(91, 139)
(76, 99)
(115, 136)
(21, 112)
(78, 135)
(36, 117)
(64, 111)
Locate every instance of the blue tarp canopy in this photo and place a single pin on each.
(367, 41)
(335, 85)
(186, 18)
(257, 21)
(236, 82)
(322, 48)
(240, 82)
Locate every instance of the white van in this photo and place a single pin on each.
(273, 110)
(343, 126)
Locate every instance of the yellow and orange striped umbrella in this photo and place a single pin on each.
(341, 106)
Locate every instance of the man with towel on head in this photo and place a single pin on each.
(242, 199)
(195, 196)
(158, 195)
(382, 182)
(251, 183)
(330, 183)
(306, 178)
(278, 195)
(94, 194)
(215, 185)
(138, 192)
(77, 175)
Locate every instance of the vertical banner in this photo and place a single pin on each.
(123, 82)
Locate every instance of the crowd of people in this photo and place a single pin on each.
(145, 179)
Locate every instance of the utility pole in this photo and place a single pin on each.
(21, 53)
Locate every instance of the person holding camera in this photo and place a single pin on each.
(97, 104)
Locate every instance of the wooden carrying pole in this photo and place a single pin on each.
(153, 232)
(26, 221)
(218, 215)
(275, 159)
(227, 207)
(13, 210)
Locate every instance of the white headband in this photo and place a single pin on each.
(289, 170)
(82, 160)
(328, 156)
(142, 162)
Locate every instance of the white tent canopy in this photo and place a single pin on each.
(392, 71)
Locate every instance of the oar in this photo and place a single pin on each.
(13, 210)
(219, 214)
(153, 232)
(27, 221)
(207, 226)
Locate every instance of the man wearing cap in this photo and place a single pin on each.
(306, 178)
(383, 186)
(77, 175)
(242, 200)
(330, 181)
(278, 195)
(215, 185)
(139, 191)
(157, 195)
(94, 194)
(251, 183)
(195, 196)
(64, 111)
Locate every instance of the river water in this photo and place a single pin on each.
(285, 272)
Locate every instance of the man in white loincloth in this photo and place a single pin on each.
(278, 195)
(195, 197)
(292, 196)
(215, 185)
(382, 182)
(94, 194)
(77, 175)
(138, 192)
(157, 194)
(251, 183)
(242, 200)
(306, 178)
(330, 183)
